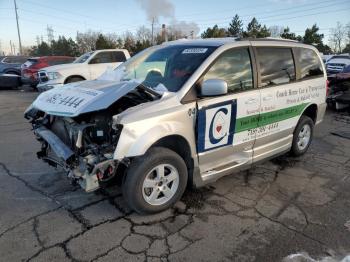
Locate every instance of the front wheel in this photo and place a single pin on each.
(155, 181)
(302, 136)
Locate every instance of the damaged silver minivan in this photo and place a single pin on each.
(183, 113)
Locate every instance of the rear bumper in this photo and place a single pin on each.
(29, 81)
(9, 81)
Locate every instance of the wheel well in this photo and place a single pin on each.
(179, 145)
(311, 111)
(69, 77)
(12, 72)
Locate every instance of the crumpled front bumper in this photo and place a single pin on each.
(58, 147)
(63, 156)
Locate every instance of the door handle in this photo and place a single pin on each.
(251, 101)
(267, 98)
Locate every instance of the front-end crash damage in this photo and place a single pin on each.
(83, 142)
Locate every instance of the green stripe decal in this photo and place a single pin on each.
(249, 122)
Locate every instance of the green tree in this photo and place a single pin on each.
(214, 32)
(43, 49)
(312, 36)
(325, 49)
(288, 35)
(347, 49)
(103, 43)
(64, 47)
(255, 30)
(235, 28)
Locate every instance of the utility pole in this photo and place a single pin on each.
(37, 40)
(11, 47)
(152, 39)
(14, 48)
(50, 36)
(19, 34)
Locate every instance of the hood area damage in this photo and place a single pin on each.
(74, 125)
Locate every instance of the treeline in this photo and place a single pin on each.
(142, 38)
(255, 30)
(91, 40)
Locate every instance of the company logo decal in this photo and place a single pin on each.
(216, 125)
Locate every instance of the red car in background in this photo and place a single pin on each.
(31, 67)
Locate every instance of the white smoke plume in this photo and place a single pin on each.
(157, 8)
(164, 8)
(187, 29)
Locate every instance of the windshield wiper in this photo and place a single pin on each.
(149, 90)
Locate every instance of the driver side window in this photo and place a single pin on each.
(233, 66)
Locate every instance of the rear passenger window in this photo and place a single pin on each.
(118, 56)
(276, 66)
(103, 57)
(233, 66)
(310, 64)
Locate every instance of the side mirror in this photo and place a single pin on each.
(213, 87)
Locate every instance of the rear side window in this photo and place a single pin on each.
(118, 56)
(276, 66)
(233, 66)
(103, 57)
(310, 64)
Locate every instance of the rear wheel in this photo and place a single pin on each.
(302, 136)
(155, 181)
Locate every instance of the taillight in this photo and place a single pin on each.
(327, 87)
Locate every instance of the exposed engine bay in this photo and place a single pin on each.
(84, 145)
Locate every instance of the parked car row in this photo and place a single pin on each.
(30, 69)
(50, 71)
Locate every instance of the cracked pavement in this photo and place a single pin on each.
(277, 208)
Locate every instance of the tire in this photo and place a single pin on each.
(301, 144)
(136, 192)
(74, 79)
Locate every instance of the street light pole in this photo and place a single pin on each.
(19, 34)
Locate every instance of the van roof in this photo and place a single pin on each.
(226, 40)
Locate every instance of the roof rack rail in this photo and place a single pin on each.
(267, 39)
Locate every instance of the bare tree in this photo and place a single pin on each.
(143, 34)
(87, 41)
(276, 30)
(337, 37)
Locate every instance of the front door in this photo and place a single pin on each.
(224, 124)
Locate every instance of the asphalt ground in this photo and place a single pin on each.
(281, 207)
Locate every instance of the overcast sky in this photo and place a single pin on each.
(66, 17)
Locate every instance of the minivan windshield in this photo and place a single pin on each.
(164, 66)
(83, 58)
